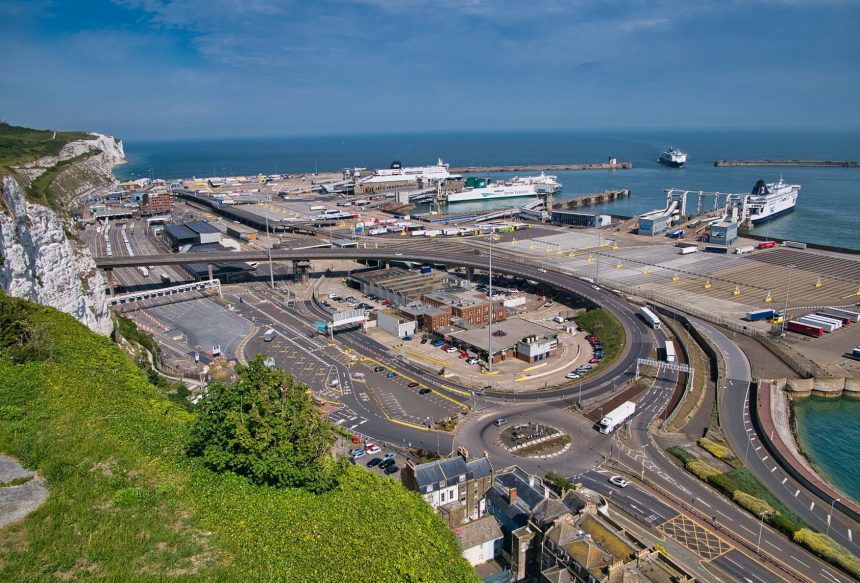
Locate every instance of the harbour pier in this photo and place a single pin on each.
(611, 164)
(795, 163)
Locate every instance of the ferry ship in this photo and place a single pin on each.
(517, 187)
(673, 157)
(768, 201)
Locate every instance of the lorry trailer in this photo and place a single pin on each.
(744, 249)
(650, 317)
(686, 250)
(840, 313)
(616, 417)
(767, 244)
(824, 319)
(670, 351)
(826, 326)
(715, 249)
(805, 329)
(757, 315)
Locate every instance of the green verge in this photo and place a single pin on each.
(608, 329)
(745, 489)
(127, 504)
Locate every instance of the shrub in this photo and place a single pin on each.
(661, 549)
(755, 505)
(701, 469)
(716, 450)
(681, 453)
(264, 426)
(829, 550)
(558, 482)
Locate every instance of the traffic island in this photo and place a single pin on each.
(534, 440)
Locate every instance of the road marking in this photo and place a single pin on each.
(746, 529)
(850, 535)
(831, 576)
(764, 459)
(773, 469)
(758, 448)
(724, 514)
(705, 503)
(811, 506)
(784, 480)
(773, 545)
(796, 493)
(799, 561)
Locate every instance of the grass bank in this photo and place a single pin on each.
(608, 329)
(127, 504)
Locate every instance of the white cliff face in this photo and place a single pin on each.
(41, 264)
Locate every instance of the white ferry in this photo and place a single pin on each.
(673, 157)
(768, 201)
(517, 187)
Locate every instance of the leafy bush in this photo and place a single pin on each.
(264, 426)
(681, 453)
(558, 482)
(702, 470)
(755, 505)
(716, 450)
(829, 550)
(20, 339)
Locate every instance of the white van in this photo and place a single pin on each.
(358, 376)
(269, 335)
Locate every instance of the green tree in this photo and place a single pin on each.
(264, 426)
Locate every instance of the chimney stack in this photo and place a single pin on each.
(512, 495)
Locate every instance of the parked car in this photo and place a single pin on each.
(463, 355)
(572, 375)
(407, 338)
(500, 421)
(451, 350)
(438, 343)
(388, 456)
(618, 481)
(391, 469)
(423, 341)
(356, 450)
(386, 302)
(444, 346)
(391, 374)
(412, 384)
(374, 462)
(378, 368)
(358, 454)
(386, 463)
(424, 391)
(594, 360)
(472, 360)
(372, 449)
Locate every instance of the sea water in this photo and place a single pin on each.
(828, 430)
(827, 212)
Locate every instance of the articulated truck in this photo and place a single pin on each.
(616, 417)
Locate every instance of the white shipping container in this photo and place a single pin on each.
(318, 207)
(451, 232)
(433, 233)
(817, 318)
(839, 313)
(687, 250)
(744, 249)
(418, 233)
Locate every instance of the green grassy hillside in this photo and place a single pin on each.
(19, 144)
(127, 504)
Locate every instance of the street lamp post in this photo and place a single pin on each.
(490, 315)
(830, 514)
(790, 266)
(760, 529)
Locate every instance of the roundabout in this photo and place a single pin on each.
(534, 440)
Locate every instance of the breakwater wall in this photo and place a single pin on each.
(808, 245)
(543, 167)
(591, 199)
(796, 163)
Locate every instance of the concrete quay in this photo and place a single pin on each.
(543, 167)
(796, 163)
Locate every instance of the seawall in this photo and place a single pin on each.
(543, 167)
(794, 163)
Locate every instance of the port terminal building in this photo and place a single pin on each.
(514, 338)
(576, 219)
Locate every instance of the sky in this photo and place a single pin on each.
(162, 69)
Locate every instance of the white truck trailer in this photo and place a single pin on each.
(650, 317)
(616, 417)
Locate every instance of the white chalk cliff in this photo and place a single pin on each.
(39, 262)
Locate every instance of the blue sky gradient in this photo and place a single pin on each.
(228, 68)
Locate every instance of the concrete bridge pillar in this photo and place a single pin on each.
(109, 277)
(210, 271)
(301, 270)
(470, 273)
